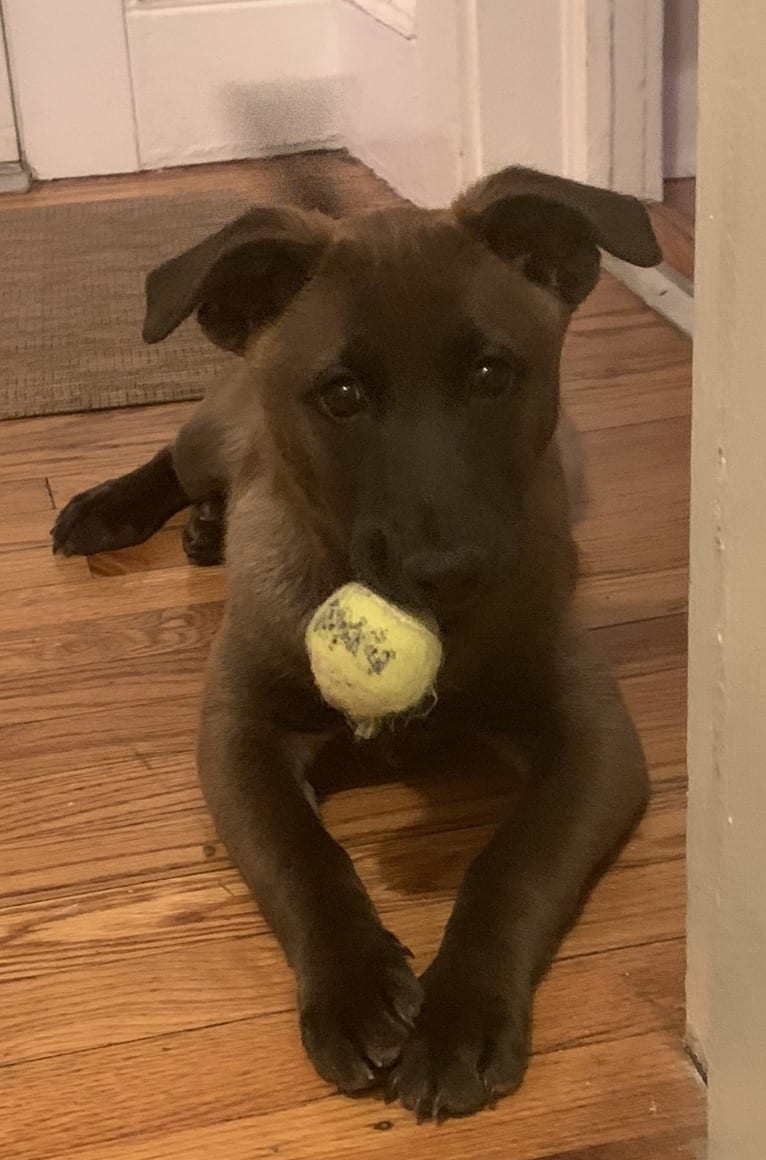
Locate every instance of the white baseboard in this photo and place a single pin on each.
(662, 288)
(13, 177)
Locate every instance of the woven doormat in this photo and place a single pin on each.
(72, 302)
(72, 279)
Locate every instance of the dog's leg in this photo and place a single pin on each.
(120, 512)
(200, 462)
(586, 790)
(356, 993)
(129, 509)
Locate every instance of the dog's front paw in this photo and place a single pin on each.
(101, 519)
(357, 1010)
(469, 1047)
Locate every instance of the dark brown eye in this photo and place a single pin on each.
(341, 399)
(491, 377)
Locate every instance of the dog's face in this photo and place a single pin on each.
(412, 386)
(407, 362)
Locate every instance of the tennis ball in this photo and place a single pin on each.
(371, 659)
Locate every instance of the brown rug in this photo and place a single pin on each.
(72, 276)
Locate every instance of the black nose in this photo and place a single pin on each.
(444, 579)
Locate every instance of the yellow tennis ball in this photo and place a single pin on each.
(371, 659)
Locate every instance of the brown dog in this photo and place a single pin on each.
(394, 420)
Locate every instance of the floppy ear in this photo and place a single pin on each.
(238, 279)
(553, 228)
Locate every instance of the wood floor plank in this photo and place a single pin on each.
(103, 818)
(622, 364)
(133, 657)
(164, 551)
(642, 647)
(236, 981)
(123, 934)
(230, 176)
(106, 441)
(121, 815)
(657, 703)
(102, 687)
(191, 1096)
(27, 569)
(69, 599)
(119, 823)
(638, 516)
(622, 597)
(37, 655)
(25, 495)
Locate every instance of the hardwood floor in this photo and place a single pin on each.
(145, 1011)
(674, 224)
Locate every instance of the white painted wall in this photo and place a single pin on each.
(680, 88)
(520, 94)
(404, 99)
(9, 149)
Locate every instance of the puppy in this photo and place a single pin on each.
(394, 419)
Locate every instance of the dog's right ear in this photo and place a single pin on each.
(239, 279)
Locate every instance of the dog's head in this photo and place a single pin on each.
(407, 361)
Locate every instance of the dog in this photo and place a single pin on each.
(394, 419)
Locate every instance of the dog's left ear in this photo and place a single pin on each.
(240, 279)
(553, 228)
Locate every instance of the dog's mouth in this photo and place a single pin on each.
(440, 618)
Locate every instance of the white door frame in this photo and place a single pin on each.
(13, 176)
(727, 616)
(9, 145)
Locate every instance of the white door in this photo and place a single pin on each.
(113, 86)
